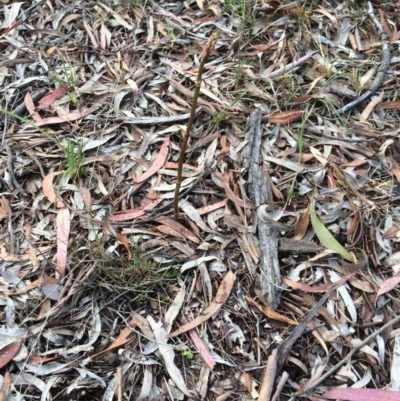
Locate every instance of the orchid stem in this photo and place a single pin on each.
(207, 50)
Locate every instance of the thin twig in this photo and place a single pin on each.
(348, 357)
(207, 51)
(381, 74)
(119, 380)
(10, 168)
(287, 68)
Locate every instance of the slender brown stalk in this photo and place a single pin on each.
(206, 52)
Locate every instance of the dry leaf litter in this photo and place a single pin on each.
(280, 279)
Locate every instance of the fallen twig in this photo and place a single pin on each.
(287, 68)
(348, 357)
(380, 76)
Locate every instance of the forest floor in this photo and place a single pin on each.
(278, 280)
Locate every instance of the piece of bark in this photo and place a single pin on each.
(156, 120)
(260, 190)
(298, 246)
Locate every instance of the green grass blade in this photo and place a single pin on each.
(325, 237)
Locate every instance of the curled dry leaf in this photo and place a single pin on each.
(158, 162)
(388, 285)
(8, 352)
(222, 295)
(49, 99)
(285, 117)
(48, 188)
(308, 288)
(301, 227)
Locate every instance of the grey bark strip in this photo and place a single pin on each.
(156, 120)
(260, 190)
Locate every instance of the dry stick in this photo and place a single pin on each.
(348, 357)
(380, 76)
(207, 51)
(11, 171)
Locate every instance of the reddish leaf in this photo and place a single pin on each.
(362, 394)
(285, 117)
(315, 288)
(31, 107)
(177, 227)
(63, 228)
(49, 99)
(388, 285)
(48, 188)
(73, 116)
(8, 353)
(134, 213)
(41, 359)
(202, 349)
(158, 162)
(391, 233)
(384, 23)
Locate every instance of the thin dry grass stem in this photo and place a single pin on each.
(206, 52)
(269, 377)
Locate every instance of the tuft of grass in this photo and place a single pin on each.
(300, 143)
(75, 160)
(140, 272)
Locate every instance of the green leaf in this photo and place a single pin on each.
(325, 237)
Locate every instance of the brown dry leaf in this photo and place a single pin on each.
(158, 162)
(285, 117)
(392, 104)
(391, 232)
(44, 308)
(125, 336)
(6, 386)
(308, 288)
(31, 108)
(301, 227)
(125, 242)
(48, 188)
(183, 232)
(220, 298)
(269, 312)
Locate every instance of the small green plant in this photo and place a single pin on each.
(237, 6)
(300, 143)
(170, 31)
(139, 272)
(220, 115)
(188, 354)
(75, 159)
